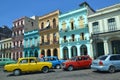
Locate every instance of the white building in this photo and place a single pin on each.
(104, 27)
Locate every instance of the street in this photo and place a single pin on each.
(59, 74)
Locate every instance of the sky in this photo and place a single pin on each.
(10, 10)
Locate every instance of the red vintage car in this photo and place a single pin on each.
(77, 62)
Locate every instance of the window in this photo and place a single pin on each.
(102, 57)
(81, 22)
(95, 27)
(72, 25)
(111, 24)
(112, 58)
(63, 25)
(42, 25)
(64, 39)
(24, 61)
(73, 37)
(82, 36)
(32, 61)
(54, 37)
(54, 23)
(32, 23)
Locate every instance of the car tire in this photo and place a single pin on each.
(58, 66)
(17, 72)
(45, 69)
(111, 69)
(70, 68)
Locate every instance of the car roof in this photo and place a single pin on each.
(50, 57)
(28, 58)
(113, 54)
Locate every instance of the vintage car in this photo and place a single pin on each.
(56, 63)
(77, 62)
(28, 64)
(110, 63)
(4, 61)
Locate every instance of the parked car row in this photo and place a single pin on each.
(110, 62)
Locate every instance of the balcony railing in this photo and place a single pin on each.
(73, 40)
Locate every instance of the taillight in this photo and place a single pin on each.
(100, 63)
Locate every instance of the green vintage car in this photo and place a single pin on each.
(4, 61)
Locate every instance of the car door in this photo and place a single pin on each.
(1, 62)
(115, 61)
(32, 65)
(23, 65)
(80, 62)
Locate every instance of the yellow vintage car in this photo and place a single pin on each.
(28, 64)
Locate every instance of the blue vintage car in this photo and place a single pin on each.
(109, 63)
(56, 63)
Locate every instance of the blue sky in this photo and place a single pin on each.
(11, 10)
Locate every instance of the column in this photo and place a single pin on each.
(106, 47)
(45, 52)
(78, 50)
(61, 52)
(51, 52)
(69, 51)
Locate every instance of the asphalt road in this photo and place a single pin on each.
(59, 74)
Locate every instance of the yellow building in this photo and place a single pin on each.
(49, 36)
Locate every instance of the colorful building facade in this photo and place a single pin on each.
(74, 34)
(49, 35)
(104, 28)
(31, 37)
(5, 48)
(17, 38)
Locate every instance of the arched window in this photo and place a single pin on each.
(48, 52)
(74, 51)
(83, 50)
(65, 53)
(55, 53)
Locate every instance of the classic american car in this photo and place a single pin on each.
(28, 64)
(77, 62)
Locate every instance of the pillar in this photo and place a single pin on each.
(106, 47)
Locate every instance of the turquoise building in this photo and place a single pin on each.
(31, 44)
(31, 37)
(74, 34)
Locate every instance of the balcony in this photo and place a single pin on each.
(14, 28)
(48, 45)
(74, 41)
(73, 31)
(48, 30)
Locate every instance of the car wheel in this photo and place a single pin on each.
(111, 69)
(58, 66)
(45, 69)
(70, 68)
(16, 72)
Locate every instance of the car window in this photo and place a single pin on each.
(102, 57)
(24, 61)
(115, 57)
(32, 61)
(46, 59)
(52, 59)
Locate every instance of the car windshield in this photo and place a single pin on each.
(102, 57)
